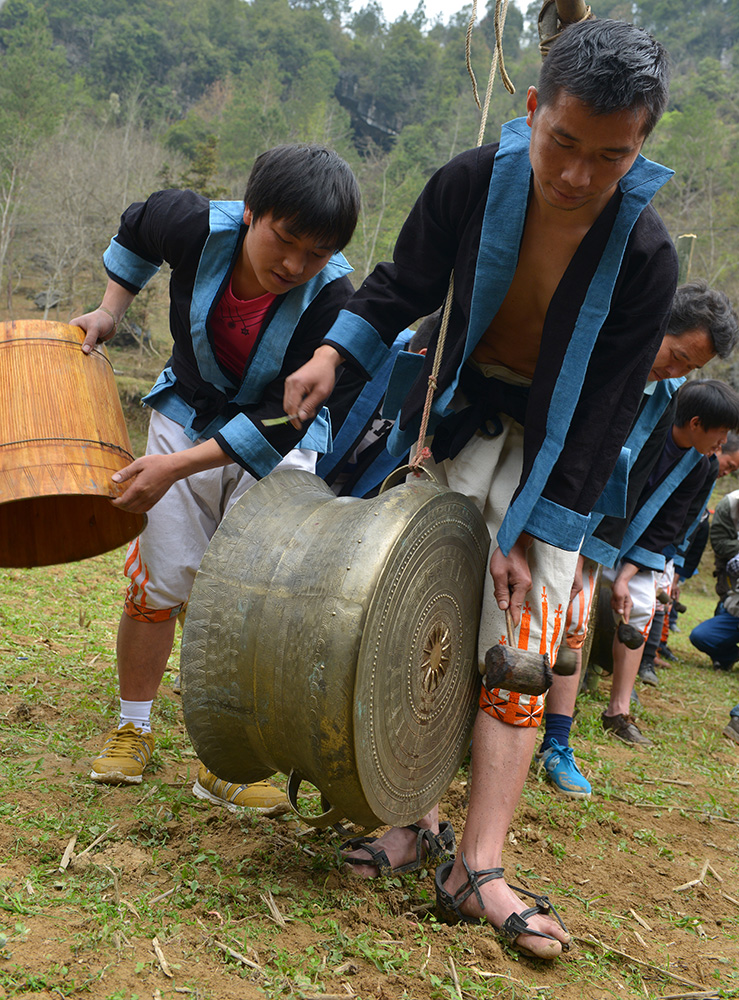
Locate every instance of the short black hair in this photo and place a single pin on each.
(731, 444)
(308, 186)
(715, 404)
(424, 332)
(697, 306)
(610, 66)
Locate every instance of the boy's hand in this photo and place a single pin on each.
(309, 386)
(512, 577)
(98, 325)
(148, 479)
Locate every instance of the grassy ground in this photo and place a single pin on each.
(165, 896)
(123, 893)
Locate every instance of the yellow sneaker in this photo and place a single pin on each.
(260, 795)
(125, 754)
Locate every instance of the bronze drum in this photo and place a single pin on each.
(335, 640)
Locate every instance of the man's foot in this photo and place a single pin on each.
(177, 684)
(369, 853)
(561, 767)
(464, 894)
(647, 675)
(664, 652)
(125, 754)
(259, 795)
(624, 728)
(399, 845)
(732, 730)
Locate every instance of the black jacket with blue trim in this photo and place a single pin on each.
(600, 336)
(201, 242)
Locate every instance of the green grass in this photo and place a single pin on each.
(198, 880)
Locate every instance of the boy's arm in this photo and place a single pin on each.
(666, 527)
(151, 476)
(620, 595)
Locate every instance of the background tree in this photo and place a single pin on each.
(32, 96)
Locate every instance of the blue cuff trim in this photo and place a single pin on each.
(244, 440)
(554, 524)
(643, 557)
(360, 339)
(405, 371)
(599, 551)
(128, 265)
(163, 398)
(612, 500)
(318, 435)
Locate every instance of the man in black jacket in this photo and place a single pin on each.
(563, 278)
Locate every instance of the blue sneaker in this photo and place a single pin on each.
(562, 770)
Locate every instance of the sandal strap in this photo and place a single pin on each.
(475, 879)
(438, 845)
(517, 924)
(377, 855)
(542, 904)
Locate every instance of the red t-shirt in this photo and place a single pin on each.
(236, 325)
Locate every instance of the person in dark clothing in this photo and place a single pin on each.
(707, 411)
(702, 324)
(718, 637)
(254, 287)
(563, 279)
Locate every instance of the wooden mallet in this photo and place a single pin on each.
(517, 669)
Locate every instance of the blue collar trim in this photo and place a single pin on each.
(226, 220)
(638, 188)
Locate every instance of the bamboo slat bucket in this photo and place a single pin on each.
(62, 436)
(335, 640)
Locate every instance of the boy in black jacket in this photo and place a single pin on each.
(254, 287)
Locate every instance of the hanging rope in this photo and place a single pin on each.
(422, 453)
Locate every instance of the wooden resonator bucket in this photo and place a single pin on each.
(62, 436)
(335, 640)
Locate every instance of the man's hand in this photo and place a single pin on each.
(620, 597)
(148, 479)
(511, 576)
(309, 386)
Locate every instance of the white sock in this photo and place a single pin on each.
(137, 712)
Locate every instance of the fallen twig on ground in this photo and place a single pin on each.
(591, 939)
(67, 856)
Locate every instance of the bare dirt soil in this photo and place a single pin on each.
(161, 895)
(180, 898)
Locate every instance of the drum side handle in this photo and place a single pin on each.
(331, 817)
(399, 475)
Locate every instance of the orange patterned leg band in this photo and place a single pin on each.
(513, 708)
(141, 614)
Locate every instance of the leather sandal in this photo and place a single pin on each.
(448, 905)
(437, 846)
